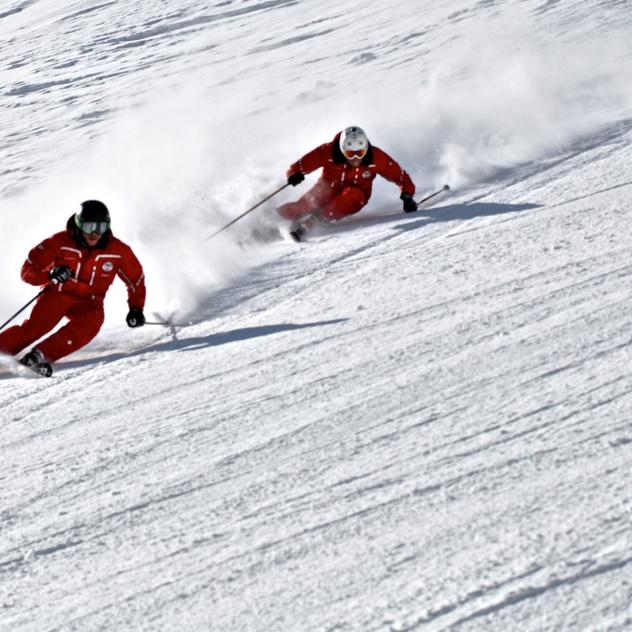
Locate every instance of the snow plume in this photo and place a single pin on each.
(457, 103)
(170, 177)
(490, 103)
(486, 105)
(514, 108)
(161, 159)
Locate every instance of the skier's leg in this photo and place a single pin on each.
(85, 320)
(348, 202)
(318, 195)
(49, 309)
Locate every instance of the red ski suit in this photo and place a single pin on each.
(80, 299)
(342, 189)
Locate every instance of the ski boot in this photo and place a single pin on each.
(36, 361)
(300, 228)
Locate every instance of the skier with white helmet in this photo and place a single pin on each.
(350, 163)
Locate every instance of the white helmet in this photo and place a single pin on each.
(354, 142)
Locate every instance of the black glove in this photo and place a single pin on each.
(410, 206)
(60, 274)
(295, 178)
(135, 317)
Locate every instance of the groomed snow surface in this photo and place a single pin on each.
(410, 422)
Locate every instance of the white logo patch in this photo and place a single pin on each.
(366, 174)
(108, 266)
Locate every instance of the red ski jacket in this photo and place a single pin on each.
(93, 269)
(337, 170)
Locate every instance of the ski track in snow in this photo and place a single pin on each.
(410, 423)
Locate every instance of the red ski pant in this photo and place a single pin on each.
(330, 203)
(85, 317)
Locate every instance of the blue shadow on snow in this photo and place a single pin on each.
(201, 342)
(425, 216)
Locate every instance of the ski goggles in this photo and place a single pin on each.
(354, 153)
(93, 227)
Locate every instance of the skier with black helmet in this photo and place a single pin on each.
(76, 268)
(350, 163)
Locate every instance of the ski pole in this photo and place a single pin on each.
(252, 208)
(23, 308)
(165, 322)
(445, 187)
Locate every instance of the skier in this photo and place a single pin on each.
(350, 164)
(76, 266)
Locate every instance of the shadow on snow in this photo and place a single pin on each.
(202, 342)
(454, 212)
(422, 217)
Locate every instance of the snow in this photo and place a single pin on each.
(412, 422)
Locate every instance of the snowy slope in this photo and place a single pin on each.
(411, 423)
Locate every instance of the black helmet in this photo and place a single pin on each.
(93, 217)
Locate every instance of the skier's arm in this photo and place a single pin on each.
(389, 169)
(131, 273)
(39, 262)
(311, 161)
